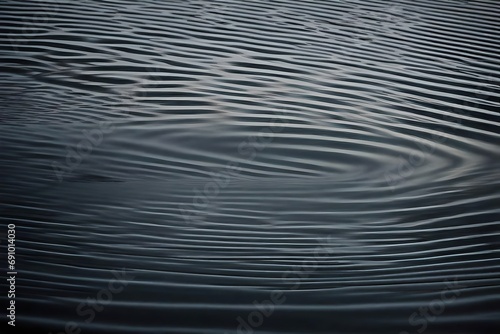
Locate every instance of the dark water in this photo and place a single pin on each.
(334, 161)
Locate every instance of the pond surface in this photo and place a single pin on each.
(274, 167)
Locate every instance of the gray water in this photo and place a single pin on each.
(334, 161)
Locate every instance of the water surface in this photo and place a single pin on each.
(342, 153)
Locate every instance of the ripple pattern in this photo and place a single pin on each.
(211, 148)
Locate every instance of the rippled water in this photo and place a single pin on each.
(336, 161)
